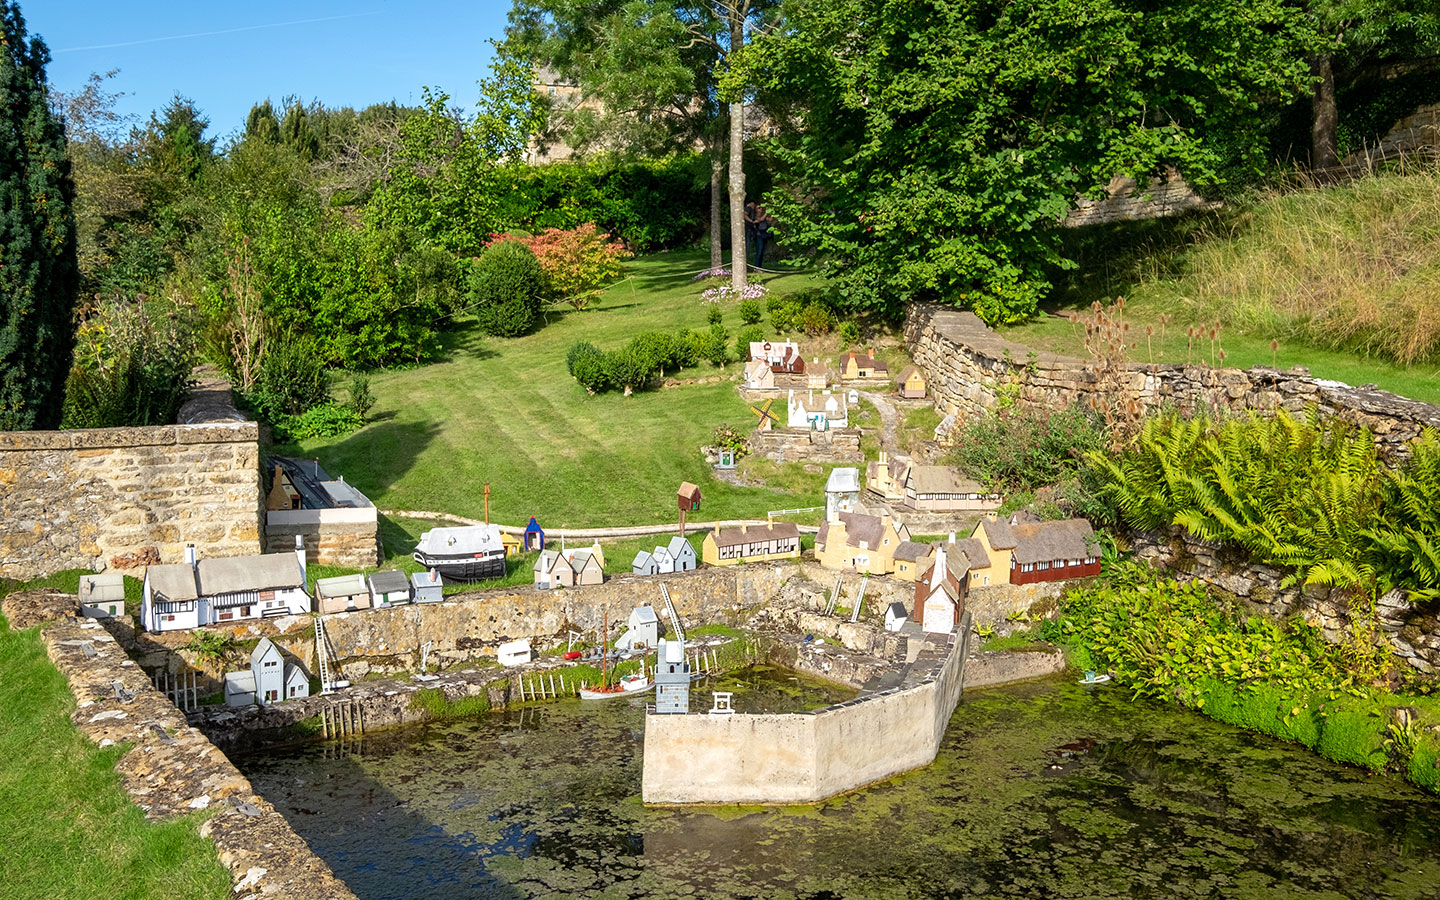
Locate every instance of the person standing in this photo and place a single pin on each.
(763, 223)
(751, 218)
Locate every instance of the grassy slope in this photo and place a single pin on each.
(1295, 268)
(70, 830)
(508, 412)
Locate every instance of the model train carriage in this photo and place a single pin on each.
(469, 553)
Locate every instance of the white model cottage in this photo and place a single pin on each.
(271, 679)
(214, 591)
(102, 596)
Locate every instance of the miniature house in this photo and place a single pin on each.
(910, 559)
(1022, 552)
(427, 587)
(751, 543)
(945, 432)
(682, 555)
(534, 536)
(783, 357)
(514, 653)
(645, 564)
(817, 413)
(912, 383)
(759, 376)
(895, 617)
(842, 491)
(270, 679)
(389, 588)
(672, 679)
(567, 568)
(213, 591)
(643, 629)
(512, 543)
(343, 593)
(863, 367)
(864, 543)
(940, 593)
(102, 596)
(817, 375)
(927, 488)
(688, 496)
(304, 500)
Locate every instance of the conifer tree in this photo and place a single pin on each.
(39, 272)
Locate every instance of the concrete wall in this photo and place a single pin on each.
(806, 757)
(122, 498)
(967, 364)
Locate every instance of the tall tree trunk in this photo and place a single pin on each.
(717, 205)
(738, 250)
(1325, 118)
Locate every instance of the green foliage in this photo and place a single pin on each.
(1405, 538)
(131, 368)
(576, 262)
(323, 420)
(727, 438)
(362, 399)
(714, 316)
(438, 707)
(40, 272)
(292, 379)
(750, 311)
(849, 333)
(785, 314)
(1023, 450)
(1016, 89)
(506, 285)
(745, 337)
(213, 649)
(717, 345)
(816, 319)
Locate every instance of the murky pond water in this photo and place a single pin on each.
(1042, 790)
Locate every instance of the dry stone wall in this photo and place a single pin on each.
(802, 445)
(122, 498)
(969, 365)
(1125, 201)
(348, 538)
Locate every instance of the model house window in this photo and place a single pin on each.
(269, 663)
(1043, 566)
(1028, 567)
(169, 618)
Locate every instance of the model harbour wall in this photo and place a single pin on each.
(333, 537)
(968, 365)
(806, 757)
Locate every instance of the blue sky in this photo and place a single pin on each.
(341, 53)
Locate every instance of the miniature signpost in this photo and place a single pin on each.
(487, 503)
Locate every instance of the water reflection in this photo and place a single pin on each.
(1043, 790)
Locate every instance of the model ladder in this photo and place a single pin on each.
(322, 654)
(859, 600)
(834, 596)
(674, 616)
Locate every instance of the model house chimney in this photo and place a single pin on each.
(938, 575)
(952, 537)
(300, 554)
(190, 555)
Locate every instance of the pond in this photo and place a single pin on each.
(1040, 790)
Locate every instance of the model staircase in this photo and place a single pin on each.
(674, 616)
(859, 600)
(322, 654)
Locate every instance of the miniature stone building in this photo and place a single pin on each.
(672, 679)
(842, 491)
(927, 488)
(339, 524)
(427, 587)
(864, 543)
(567, 568)
(102, 596)
(759, 376)
(940, 593)
(342, 593)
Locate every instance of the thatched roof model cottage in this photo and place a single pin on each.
(863, 367)
(211, 591)
(751, 543)
(1026, 552)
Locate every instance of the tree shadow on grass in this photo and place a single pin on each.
(377, 456)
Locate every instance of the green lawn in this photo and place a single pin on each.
(70, 830)
(506, 411)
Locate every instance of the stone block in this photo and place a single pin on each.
(150, 436)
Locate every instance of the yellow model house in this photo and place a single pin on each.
(511, 543)
(912, 383)
(861, 542)
(751, 543)
(863, 367)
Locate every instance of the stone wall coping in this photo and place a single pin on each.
(150, 436)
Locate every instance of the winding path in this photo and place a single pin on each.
(889, 420)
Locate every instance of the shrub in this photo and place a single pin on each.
(1015, 451)
(816, 319)
(655, 350)
(292, 379)
(587, 363)
(717, 345)
(576, 262)
(130, 368)
(786, 316)
(326, 420)
(628, 368)
(714, 315)
(747, 336)
(689, 348)
(727, 438)
(749, 311)
(506, 286)
(849, 333)
(578, 351)
(361, 398)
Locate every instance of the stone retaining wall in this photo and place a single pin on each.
(968, 364)
(171, 768)
(1413, 631)
(333, 537)
(806, 757)
(1124, 201)
(123, 498)
(839, 445)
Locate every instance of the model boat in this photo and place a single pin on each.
(638, 683)
(465, 553)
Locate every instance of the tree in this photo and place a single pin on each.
(297, 133)
(1349, 35)
(655, 66)
(937, 146)
(262, 124)
(40, 272)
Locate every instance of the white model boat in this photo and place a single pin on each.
(630, 684)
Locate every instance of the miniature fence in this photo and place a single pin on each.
(181, 689)
(342, 720)
(545, 686)
(791, 512)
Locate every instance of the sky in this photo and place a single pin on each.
(227, 57)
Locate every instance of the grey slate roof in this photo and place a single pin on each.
(754, 534)
(843, 479)
(174, 582)
(1049, 541)
(898, 610)
(911, 551)
(677, 546)
(233, 574)
(642, 560)
(261, 649)
(102, 588)
(390, 581)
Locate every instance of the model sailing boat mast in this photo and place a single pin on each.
(630, 684)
